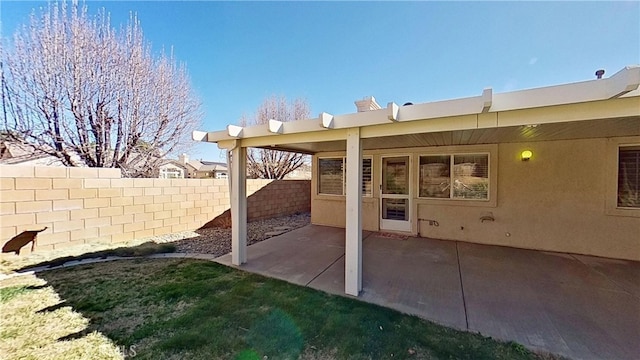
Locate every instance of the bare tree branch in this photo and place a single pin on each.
(74, 88)
(275, 164)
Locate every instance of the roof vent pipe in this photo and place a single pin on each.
(599, 73)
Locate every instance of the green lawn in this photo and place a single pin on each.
(190, 309)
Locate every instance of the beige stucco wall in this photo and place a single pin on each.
(562, 200)
(331, 212)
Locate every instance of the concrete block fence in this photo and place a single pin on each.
(269, 198)
(96, 205)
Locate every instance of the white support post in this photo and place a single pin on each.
(238, 205)
(353, 231)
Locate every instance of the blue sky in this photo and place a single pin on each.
(333, 53)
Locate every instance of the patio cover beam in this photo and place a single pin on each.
(621, 85)
(353, 229)
(238, 205)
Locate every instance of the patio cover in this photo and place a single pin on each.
(596, 108)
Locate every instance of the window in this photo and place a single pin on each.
(435, 179)
(629, 176)
(171, 173)
(331, 176)
(395, 175)
(457, 176)
(367, 185)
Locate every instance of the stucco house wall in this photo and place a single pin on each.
(563, 199)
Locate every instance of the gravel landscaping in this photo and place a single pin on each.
(217, 241)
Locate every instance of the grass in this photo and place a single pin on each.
(180, 308)
(9, 293)
(32, 323)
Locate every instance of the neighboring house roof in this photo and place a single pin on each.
(194, 164)
(213, 166)
(12, 153)
(175, 163)
(564, 111)
(9, 150)
(200, 166)
(22, 159)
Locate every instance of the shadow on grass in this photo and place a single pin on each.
(183, 308)
(144, 249)
(53, 308)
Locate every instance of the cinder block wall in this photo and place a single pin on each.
(90, 205)
(269, 198)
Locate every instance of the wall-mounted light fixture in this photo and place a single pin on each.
(526, 155)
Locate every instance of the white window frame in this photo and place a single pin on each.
(344, 173)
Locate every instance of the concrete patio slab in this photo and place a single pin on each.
(548, 301)
(577, 306)
(416, 276)
(332, 279)
(298, 256)
(624, 274)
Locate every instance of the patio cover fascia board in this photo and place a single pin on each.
(571, 114)
(487, 110)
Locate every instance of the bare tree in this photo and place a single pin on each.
(275, 164)
(76, 89)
